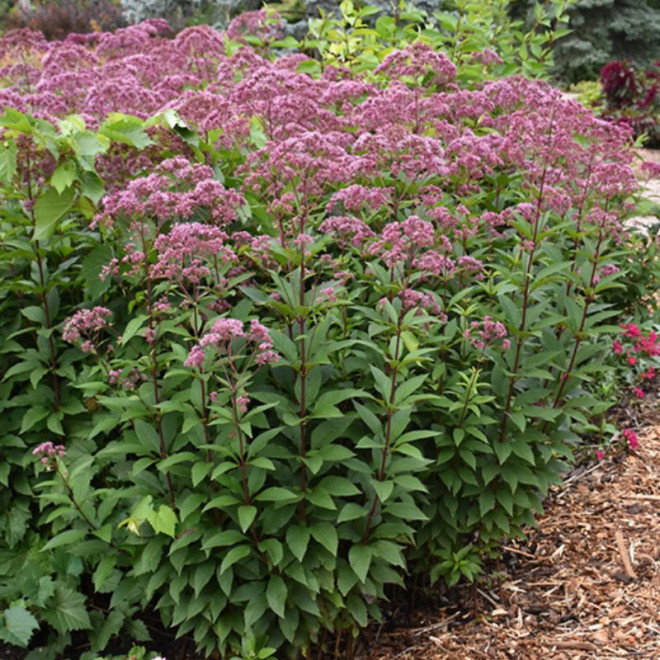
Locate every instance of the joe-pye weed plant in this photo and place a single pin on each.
(325, 332)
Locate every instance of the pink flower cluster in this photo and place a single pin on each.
(128, 380)
(84, 327)
(221, 336)
(176, 190)
(486, 332)
(47, 451)
(189, 251)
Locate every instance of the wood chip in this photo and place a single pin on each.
(625, 556)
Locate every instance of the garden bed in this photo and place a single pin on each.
(586, 584)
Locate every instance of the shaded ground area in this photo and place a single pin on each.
(586, 585)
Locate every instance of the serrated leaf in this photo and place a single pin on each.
(19, 624)
(48, 209)
(126, 129)
(63, 176)
(163, 521)
(67, 612)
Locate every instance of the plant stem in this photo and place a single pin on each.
(43, 296)
(388, 430)
(154, 365)
(468, 396)
(578, 336)
(73, 499)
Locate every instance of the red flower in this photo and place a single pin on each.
(632, 439)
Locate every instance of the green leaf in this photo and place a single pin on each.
(19, 624)
(233, 556)
(277, 494)
(522, 449)
(382, 382)
(163, 521)
(132, 328)
(223, 538)
(67, 537)
(358, 610)
(7, 162)
(273, 549)
(103, 571)
(91, 186)
(405, 511)
(257, 135)
(383, 489)
(351, 511)
(390, 552)
(321, 498)
(64, 176)
(505, 498)
(199, 471)
(246, 516)
(297, 539)
(193, 502)
(326, 535)
(486, 502)
(67, 611)
(339, 486)
(49, 208)
(359, 557)
(125, 129)
(276, 594)
(518, 419)
(110, 627)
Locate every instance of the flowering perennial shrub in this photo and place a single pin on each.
(300, 335)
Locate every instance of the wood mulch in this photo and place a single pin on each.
(586, 583)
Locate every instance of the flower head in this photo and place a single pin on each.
(631, 438)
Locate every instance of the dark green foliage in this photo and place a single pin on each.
(603, 30)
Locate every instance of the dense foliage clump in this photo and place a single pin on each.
(276, 333)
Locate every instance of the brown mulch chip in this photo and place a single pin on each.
(586, 583)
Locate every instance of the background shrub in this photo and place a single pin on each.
(600, 32)
(58, 18)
